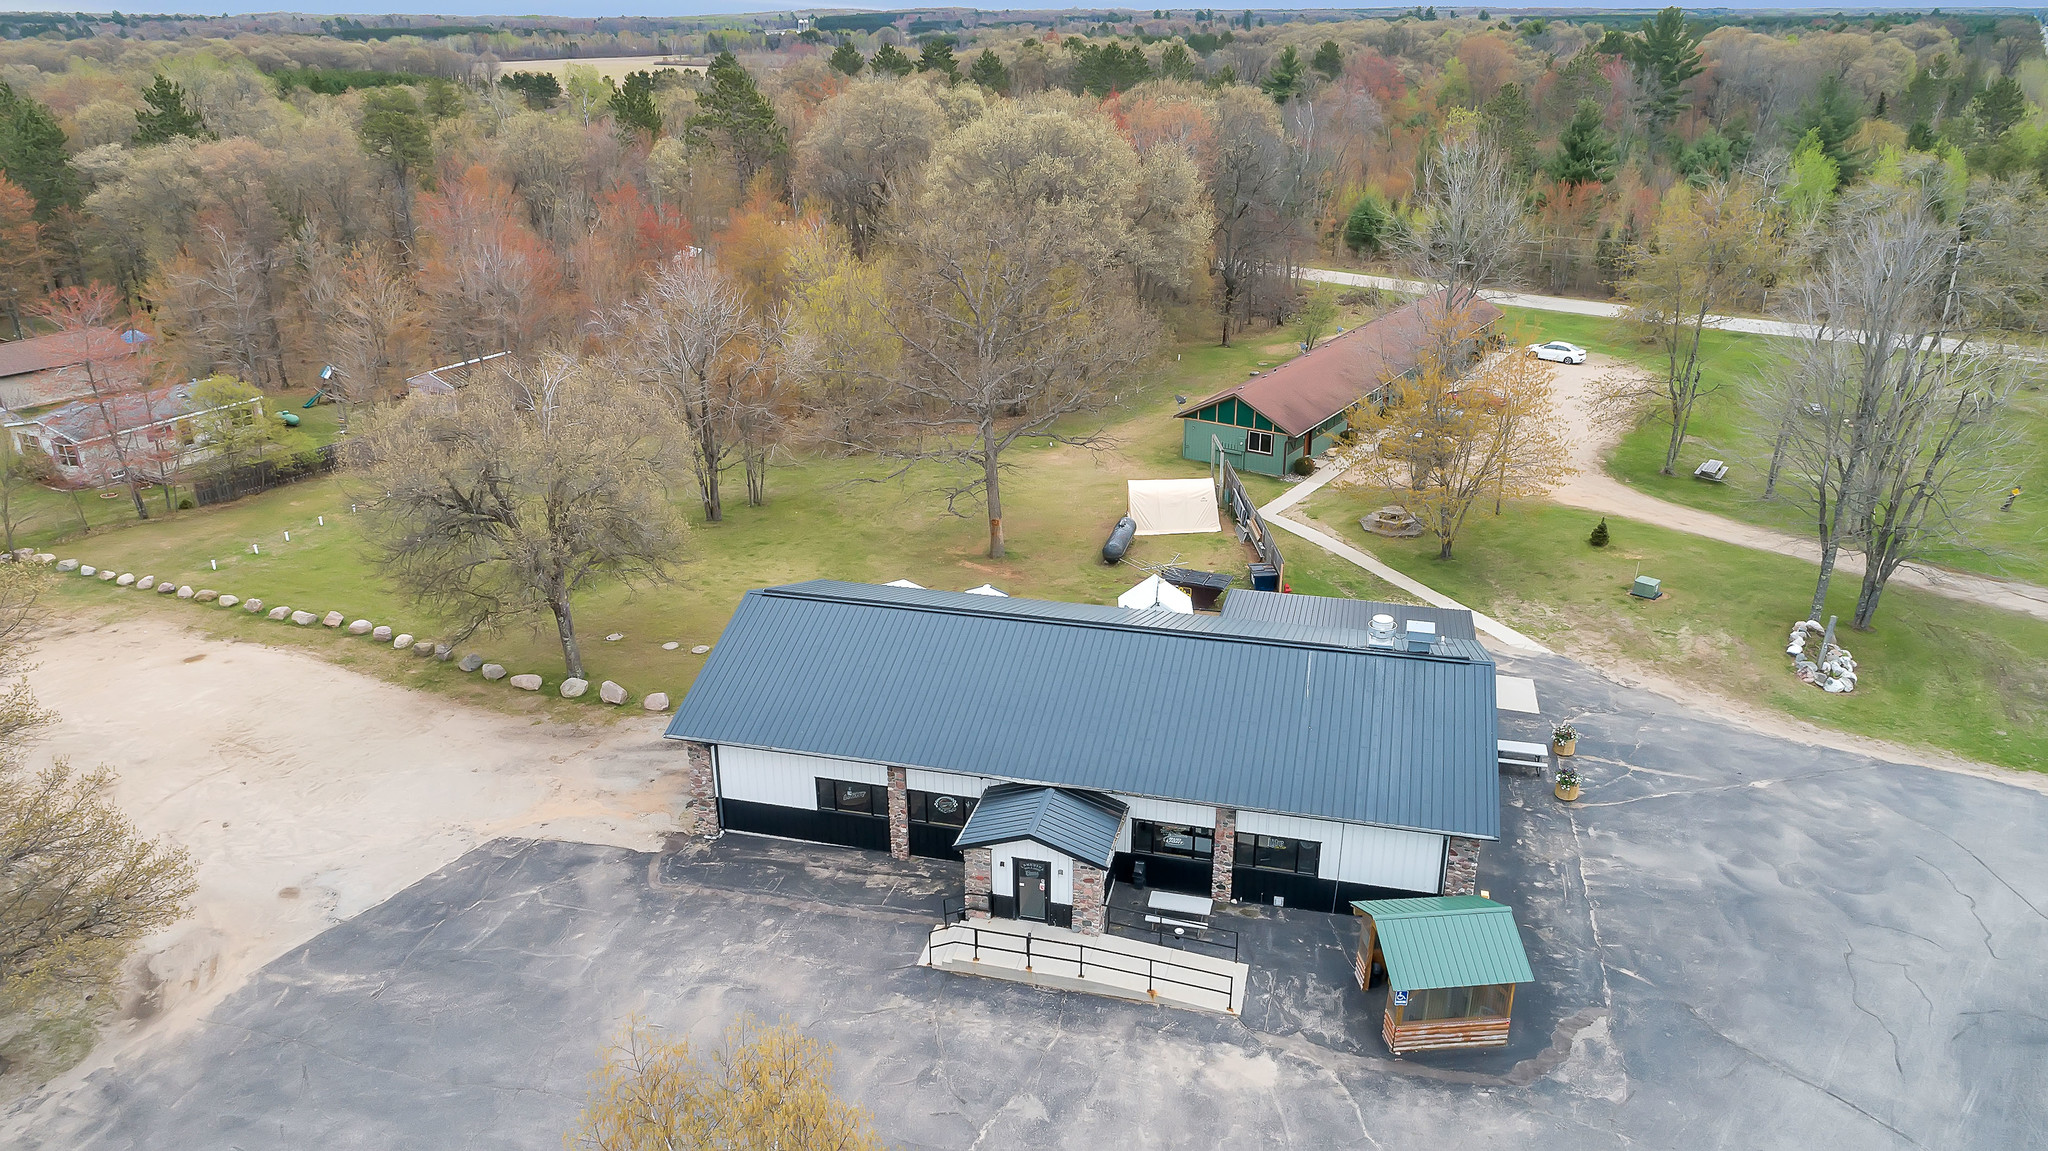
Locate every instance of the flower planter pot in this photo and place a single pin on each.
(1566, 793)
(1564, 747)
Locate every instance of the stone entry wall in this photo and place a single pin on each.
(1223, 844)
(899, 813)
(700, 805)
(978, 867)
(1461, 866)
(1090, 905)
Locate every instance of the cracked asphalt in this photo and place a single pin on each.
(1741, 941)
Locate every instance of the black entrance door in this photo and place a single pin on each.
(1034, 888)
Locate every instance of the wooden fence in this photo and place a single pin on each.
(1231, 494)
(247, 480)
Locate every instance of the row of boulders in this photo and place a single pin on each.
(571, 688)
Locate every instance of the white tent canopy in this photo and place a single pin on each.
(1174, 507)
(988, 589)
(1155, 594)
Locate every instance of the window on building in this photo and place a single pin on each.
(945, 810)
(65, 453)
(1272, 853)
(1149, 838)
(1456, 1003)
(857, 798)
(1259, 443)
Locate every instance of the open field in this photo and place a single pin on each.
(613, 68)
(1964, 679)
(2012, 544)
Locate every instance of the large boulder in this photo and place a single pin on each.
(206, 595)
(611, 693)
(185, 591)
(168, 587)
(442, 652)
(230, 600)
(253, 606)
(280, 613)
(658, 701)
(402, 640)
(127, 579)
(87, 570)
(360, 627)
(145, 583)
(45, 557)
(527, 682)
(67, 565)
(423, 647)
(470, 662)
(380, 633)
(670, 645)
(573, 688)
(106, 573)
(494, 671)
(700, 649)
(304, 618)
(332, 619)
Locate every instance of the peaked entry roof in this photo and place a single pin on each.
(1303, 393)
(1448, 941)
(1082, 824)
(1273, 717)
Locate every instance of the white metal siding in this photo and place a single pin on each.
(946, 782)
(1359, 853)
(786, 778)
(1166, 811)
(1328, 834)
(1002, 882)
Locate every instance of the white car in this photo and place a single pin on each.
(1560, 352)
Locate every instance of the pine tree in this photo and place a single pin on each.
(1584, 153)
(846, 59)
(2000, 106)
(32, 153)
(1506, 120)
(1284, 80)
(1329, 60)
(744, 123)
(1175, 63)
(168, 115)
(891, 61)
(1599, 537)
(1667, 54)
(1832, 116)
(989, 72)
(633, 107)
(1369, 226)
(938, 57)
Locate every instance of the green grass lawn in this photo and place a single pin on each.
(1967, 680)
(2013, 544)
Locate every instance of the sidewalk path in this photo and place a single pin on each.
(1336, 547)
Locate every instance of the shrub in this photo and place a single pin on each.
(1599, 537)
(1305, 466)
(185, 503)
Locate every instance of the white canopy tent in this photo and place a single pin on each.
(1174, 507)
(988, 589)
(1155, 594)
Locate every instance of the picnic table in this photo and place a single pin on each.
(1714, 470)
(1172, 909)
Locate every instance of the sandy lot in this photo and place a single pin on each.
(308, 793)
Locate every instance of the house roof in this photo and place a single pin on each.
(1347, 614)
(1448, 941)
(443, 381)
(1082, 824)
(60, 349)
(1237, 713)
(1303, 393)
(81, 421)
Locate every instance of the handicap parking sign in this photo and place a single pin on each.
(1400, 999)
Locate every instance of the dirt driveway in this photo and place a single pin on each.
(308, 793)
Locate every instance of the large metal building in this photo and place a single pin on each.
(1241, 758)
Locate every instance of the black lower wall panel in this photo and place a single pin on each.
(934, 841)
(1252, 885)
(865, 831)
(1167, 871)
(1060, 914)
(1002, 906)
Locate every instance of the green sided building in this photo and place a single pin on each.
(1274, 420)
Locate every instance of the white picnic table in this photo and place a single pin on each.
(1174, 903)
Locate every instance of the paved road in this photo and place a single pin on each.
(1745, 942)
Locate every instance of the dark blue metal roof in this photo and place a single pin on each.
(1283, 718)
(1348, 614)
(1081, 824)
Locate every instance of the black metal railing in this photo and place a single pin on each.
(953, 909)
(1205, 940)
(1082, 956)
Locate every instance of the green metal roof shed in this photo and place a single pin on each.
(1448, 941)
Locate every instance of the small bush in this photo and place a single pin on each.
(185, 503)
(1305, 466)
(1599, 537)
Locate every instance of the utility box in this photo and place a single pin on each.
(1265, 577)
(1647, 587)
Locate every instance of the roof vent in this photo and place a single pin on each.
(1421, 635)
(1380, 633)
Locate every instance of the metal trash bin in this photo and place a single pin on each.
(1138, 874)
(1265, 577)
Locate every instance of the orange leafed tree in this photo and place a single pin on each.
(1440, 440)
(493, 284)
(764, 1089)
(629, 238)
(22, 274)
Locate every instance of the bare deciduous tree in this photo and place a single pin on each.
(1474, 221)
(368, 315)
(112, 367)
(501, 502)
(1261, 207)
(868, 143)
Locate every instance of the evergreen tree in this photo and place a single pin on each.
(733, 108)
(890, 60)
(938, 57)
(539, 89)
(1369, 227)
(32, 153)
(168, 116)
(394, 131)
(2000, 106)
(633, 107)
(1599, 538)
(1175, 63)
(1284, 80)
(1584, 153)
(1832, 117)
(1329, 60)
(1101, 69)
(1507, 120)
(989, 72)
(847, 59)
(1667, 54)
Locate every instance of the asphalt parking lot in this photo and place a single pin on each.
(1743, 942)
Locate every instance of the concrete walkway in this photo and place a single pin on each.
(1326, 472)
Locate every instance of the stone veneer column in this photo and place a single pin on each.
(978, 867)
(700, 799)
(1224, 844)
(1461, 865)
(899, 813)
(1089, 908)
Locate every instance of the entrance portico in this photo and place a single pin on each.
(1041, 854)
